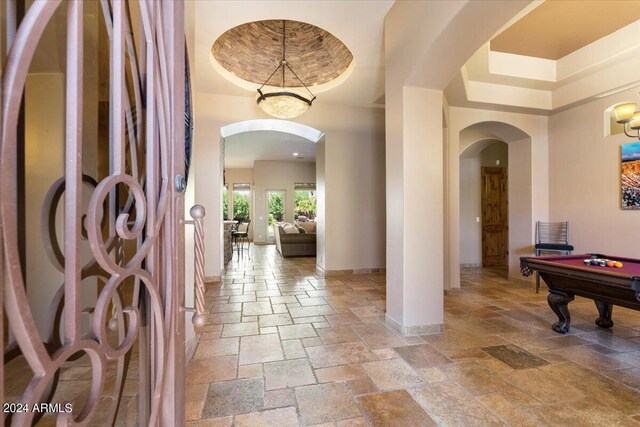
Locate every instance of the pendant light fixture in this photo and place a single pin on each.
(284, 103)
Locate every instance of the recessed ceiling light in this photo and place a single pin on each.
(295, 154)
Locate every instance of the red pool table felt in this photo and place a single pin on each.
(631, 267)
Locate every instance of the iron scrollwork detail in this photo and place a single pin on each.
(126, 212)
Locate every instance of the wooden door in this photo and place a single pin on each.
(495, 220)
(124, 246)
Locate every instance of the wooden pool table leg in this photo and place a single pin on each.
(604, 309)
(558, 301)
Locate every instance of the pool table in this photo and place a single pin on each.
(568, 276)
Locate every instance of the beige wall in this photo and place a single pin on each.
(321, 211)
(521, 213)
(470, 209)
(44, 164)
(238, 176)
(584, 179)
(189, 256)
(354, 193)
(190, 198)
(496, 152)
(45, 158)
(271, 175)
(354, 172)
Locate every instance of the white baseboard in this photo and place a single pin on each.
(414, 330)
(349, 272)
(392, 324)
(190, 347)
(435, 328)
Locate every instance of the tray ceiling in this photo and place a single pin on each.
(557, 28)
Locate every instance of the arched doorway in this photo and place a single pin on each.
(523, 209)
(484, 216)
(272, 161)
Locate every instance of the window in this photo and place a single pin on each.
(275, 205)
(275, 211)
(225, 203)
(241, 195)
(305, 201)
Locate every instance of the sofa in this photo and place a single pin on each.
(294, 239)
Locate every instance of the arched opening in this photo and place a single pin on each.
(284, 126)
(270, 168)
(484, 218)
(495, 205)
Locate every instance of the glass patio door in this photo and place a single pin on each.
(275, 211)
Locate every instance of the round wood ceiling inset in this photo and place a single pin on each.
(252, 51)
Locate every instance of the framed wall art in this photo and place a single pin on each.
(630, 175)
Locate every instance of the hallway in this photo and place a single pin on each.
(285, 347)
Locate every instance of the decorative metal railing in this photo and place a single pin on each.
(199, 318)
(131, 223)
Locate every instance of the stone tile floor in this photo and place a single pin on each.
(286, 347)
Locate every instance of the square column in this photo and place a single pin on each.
(415, 219)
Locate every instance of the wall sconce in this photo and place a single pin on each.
(627, 115)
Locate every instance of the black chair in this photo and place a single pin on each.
(551, 237)
(241, 235)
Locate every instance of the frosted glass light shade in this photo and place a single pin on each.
(625, 112)
(635, 121)
(283, 104)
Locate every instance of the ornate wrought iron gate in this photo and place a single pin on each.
(120, 238)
